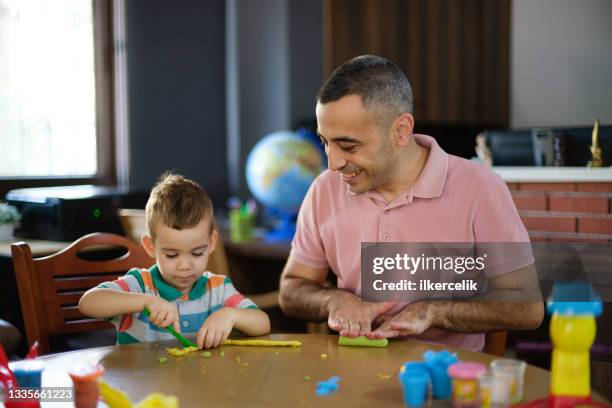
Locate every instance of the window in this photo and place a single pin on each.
(55, 92)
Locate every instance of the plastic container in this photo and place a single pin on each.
(414, 378)
(512, 372)
(241, 225)
(85, 380)
(465, 384)
(574, 307)
(28, 372)
(485, 385)
(437, 365)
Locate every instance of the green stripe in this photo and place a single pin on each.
(165, 290)
(135, 272)
(125, 338)
(198, 288)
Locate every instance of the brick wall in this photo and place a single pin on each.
(565, 211)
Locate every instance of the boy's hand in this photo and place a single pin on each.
(216, 328)
(163, 313)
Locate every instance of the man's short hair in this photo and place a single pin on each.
(178, 203)
(382, 86)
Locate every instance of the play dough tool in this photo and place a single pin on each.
(263, 343)
(179, 336)
(362, 341)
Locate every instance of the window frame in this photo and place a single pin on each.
(105, 131)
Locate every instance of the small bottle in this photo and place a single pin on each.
(572, 332)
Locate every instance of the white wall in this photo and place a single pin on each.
(561, 53)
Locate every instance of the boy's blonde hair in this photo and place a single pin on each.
(178, 203)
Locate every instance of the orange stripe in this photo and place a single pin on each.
(147, 280)
(216, 281)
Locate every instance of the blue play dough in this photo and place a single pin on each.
(328, 386)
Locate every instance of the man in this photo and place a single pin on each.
(385, 184)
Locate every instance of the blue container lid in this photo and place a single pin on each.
(574, 298)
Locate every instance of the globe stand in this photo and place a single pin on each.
(284, 229)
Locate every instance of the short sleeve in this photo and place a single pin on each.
(130, 283)
(499, 228)
(307, 247)
(233, 298)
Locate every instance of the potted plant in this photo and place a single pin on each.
(9, 217)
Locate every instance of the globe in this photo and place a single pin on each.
(280, 168)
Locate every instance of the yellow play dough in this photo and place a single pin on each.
(115, 398)
(158, 400)
(177, 352)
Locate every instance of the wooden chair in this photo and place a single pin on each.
(495, 343)
(50, 287)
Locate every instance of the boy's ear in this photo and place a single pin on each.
(149, 247)
(214, 237)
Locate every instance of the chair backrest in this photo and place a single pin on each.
(495, 343)
(50, 287)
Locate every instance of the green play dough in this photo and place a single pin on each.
(362, 341)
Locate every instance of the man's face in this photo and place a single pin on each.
(356, 146)
(182, 255)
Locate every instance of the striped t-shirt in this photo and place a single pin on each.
(209, 293)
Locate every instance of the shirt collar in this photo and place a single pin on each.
(170, 293)
(433, 176)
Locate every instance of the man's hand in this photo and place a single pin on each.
(415, 318)
(216, 328)
(352, 317)
(163, 313)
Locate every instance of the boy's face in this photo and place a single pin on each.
(181, 255)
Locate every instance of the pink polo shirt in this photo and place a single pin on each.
(453, 200)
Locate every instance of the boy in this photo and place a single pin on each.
(178, 291)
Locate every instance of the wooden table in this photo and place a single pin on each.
(266, 376)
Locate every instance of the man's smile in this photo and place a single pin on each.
(350, 177)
